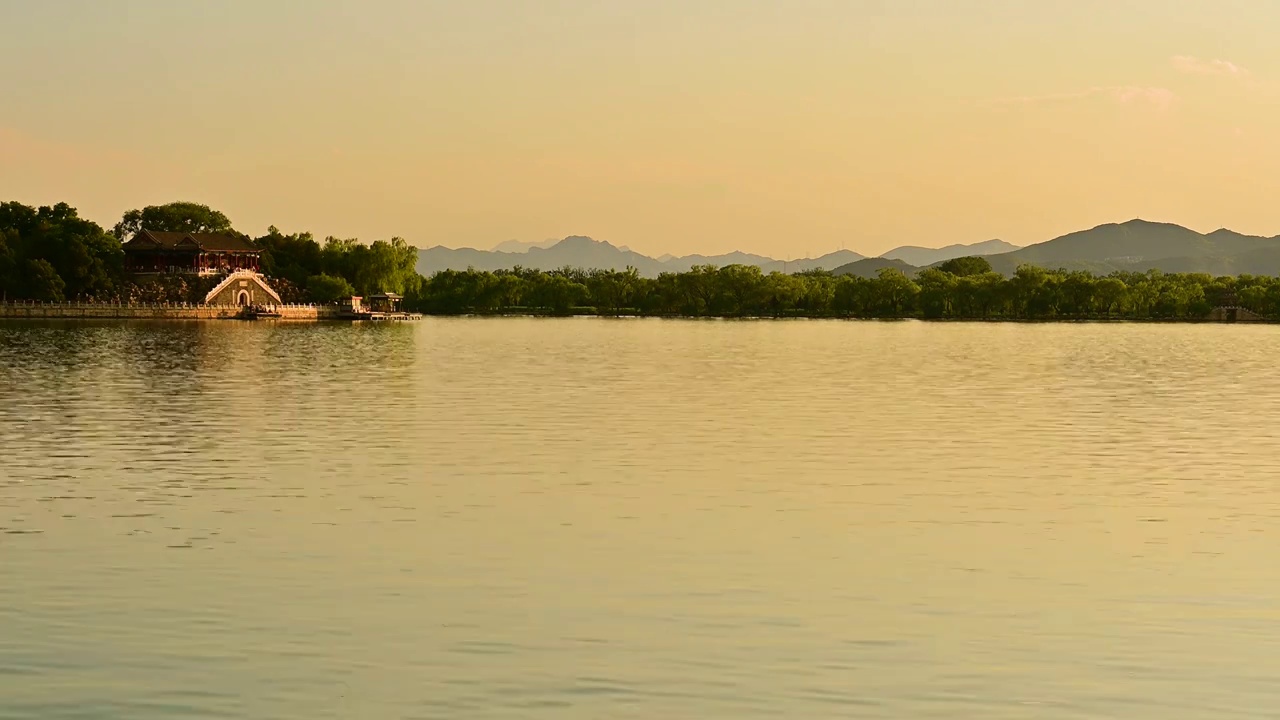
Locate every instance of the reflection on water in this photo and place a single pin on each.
(582, 518)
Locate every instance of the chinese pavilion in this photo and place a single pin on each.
(190, 253)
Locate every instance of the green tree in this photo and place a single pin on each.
(1109, 295)
(293, 257)
(896, 293)
(698, 289)
(817, 292)
(1034, 292)
(450, 292)
(739, 290)
(667, 295)
(42, 282)
(88, 262)
(853, 297)
(1077, 291)
(992, 294)
(780, 293)
(557, 293)
(185, 217)
(611, 290)
(325, 289)
(966, 266)
(384, 266)
(938, 291)
(1142, 297)
(8, 264)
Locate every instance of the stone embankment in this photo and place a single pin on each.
(155, 311)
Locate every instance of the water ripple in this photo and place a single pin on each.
(583, 519)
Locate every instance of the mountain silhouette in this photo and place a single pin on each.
(520, 246)
(871, 267)
(573, 251)
(1138, 246)
(923, 256)
(1141, 245)
(583, 252)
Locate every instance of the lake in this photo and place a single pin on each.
(589, 518)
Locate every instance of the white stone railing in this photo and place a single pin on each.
(80, 304)
(83, 304)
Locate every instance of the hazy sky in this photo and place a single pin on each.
(784, 127)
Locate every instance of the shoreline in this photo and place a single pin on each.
(322, 313)
(184, 311)
(148, 311)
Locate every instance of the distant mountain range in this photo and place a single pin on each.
(1136, 245)
(923, 256)
(584, 252)
(520, 246)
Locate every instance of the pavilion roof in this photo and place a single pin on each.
(208, 242)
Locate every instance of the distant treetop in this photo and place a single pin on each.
(966, 266)
(187, 217)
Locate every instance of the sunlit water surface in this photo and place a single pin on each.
(587, 518)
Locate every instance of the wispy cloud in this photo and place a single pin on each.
(1158, 97)
(1198, 66)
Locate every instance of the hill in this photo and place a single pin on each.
(871, 267)
(584, 252)
(1140, 245)
(683, 264)
(520, 246)
(923, 256)
(1136, 245)
(573, 251)
(581, 251)
(830, 261)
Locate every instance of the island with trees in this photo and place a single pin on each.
(51, 254)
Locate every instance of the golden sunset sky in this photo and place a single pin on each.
(784, 128)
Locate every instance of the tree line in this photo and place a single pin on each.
(52, 254)
(964, 288)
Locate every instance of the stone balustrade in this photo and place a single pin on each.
(154, 311)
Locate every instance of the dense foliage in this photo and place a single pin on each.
(52, 254)
(182, 217)
(969, 290)
(383, 266)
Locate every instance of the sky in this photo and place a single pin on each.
(789, 128)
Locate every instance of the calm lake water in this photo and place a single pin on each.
(585, 518)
